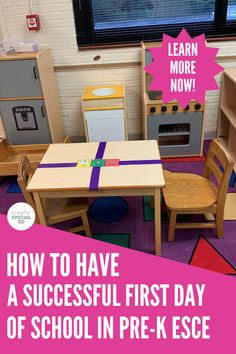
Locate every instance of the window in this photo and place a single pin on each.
(231, 11)
(126, 21)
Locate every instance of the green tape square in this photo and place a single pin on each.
(98, 163)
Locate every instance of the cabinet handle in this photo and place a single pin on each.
(35, 72)
(42, 110)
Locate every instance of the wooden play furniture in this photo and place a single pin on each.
(10, 156)
(104, 113)
(139, 173)
(187, 193)
(179, 130)
(226, 131)
(29, 105)
(54, 212)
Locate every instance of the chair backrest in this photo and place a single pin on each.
(67, 140)
(219, 165)
(3, 150)
(25, 172)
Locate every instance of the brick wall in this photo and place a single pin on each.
(58, 33)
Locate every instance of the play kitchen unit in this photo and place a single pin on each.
(104, 113)
(28, 99)
(179, 131)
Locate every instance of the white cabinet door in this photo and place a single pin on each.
(105, 114)
(105, 125)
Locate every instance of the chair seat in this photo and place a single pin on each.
(54, 210)
(58, 210)
(187, 191)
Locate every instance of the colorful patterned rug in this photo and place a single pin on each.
(122, 240)
(108, 209)
(134, 227)
(206, 256)
(14, 187)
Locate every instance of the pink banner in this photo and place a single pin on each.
(66, 293)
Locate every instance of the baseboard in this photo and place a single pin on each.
(209, 134)
(82, 139)
(78, 139)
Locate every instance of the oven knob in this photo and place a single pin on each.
(163, 108)
(197, 106)
(186, 108)
(175, 108)
(153, 109)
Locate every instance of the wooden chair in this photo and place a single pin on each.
(187, 193)
(55, 210)
(67, 140)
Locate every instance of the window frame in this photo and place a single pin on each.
(87, 37)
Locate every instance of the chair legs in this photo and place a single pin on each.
(172, 222)
(84, 218)
(220, 223)
(152, 202)
(84, 227)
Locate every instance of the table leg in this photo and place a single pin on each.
(157, 214)
(39, 209)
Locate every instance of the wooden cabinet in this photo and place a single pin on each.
(28, 99)
(226, 130)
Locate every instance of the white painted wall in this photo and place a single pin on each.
(58, 33)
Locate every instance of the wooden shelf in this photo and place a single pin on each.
(230, 113)
(226, 130)
(231, 74)
(22, 98)
(225, 144)
(223, 141)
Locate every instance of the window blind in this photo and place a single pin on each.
(119, 21)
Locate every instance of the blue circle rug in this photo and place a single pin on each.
(108, 209)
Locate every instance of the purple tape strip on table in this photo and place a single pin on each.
(94, 180)
(139, 162)
(60, 164)
(121, 163)
(101, 149)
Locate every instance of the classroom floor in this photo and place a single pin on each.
(137, 222)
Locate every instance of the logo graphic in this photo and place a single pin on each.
(21, 216)
(183, 68)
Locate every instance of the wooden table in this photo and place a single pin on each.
(139, 173)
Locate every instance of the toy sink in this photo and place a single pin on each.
(105, 91)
